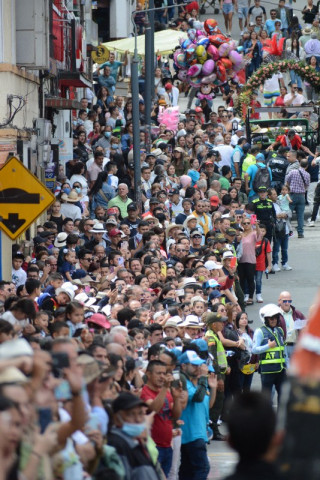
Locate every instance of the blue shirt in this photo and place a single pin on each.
(114, 66)
(252, 170)
(270, 25)
(195, 417)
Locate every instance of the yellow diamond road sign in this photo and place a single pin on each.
(22, 198)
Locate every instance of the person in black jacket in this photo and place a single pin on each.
(129, 437)
(278, 164)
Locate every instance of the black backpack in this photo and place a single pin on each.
(262, 178)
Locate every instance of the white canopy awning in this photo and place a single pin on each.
(164, 42)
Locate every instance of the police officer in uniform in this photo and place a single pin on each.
(269, 344)
(278, 165)
(264, 209)
(215, 323)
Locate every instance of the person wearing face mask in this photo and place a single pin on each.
(129, 437)
(104, 139)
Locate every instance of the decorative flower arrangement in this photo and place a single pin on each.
(266, 71)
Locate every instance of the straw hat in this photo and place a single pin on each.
(73, 197)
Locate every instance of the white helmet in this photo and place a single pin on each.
(268, 311)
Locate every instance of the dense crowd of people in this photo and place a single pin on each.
(124, 332)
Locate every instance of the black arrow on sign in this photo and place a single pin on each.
(13, 223)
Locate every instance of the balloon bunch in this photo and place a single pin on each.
(169, 117)
(208, 57)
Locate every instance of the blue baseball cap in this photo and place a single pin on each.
(260, 157)
(201, 344)
(212, 283)
(215, 294)
(190, 357)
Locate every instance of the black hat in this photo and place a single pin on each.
(127, 401)
(262, 188)
(153, 200)
(46, 234)
(132, 206)
(131, 166)
(37, 240)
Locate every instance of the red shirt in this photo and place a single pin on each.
(296, 141)
(261, 259)
(255, 104)
(162, 422)
(279, 102)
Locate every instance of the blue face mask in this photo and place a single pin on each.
(107, 134)
(133, 429)
(67, 190)
(114, 146)
(78, 190)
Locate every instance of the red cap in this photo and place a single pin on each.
(214, 201)
(112, 211)
(114, 232)
(100, 320)
(199, 109)
(168, 86)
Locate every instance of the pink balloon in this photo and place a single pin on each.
(195, 70)
(209, 79)
(235, 57)
(213, 52)
(224, 50)
(207, 67)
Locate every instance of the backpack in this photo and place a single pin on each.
(262, 178)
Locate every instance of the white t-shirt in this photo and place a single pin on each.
(271, 85)
(226, 152)
(297, 100)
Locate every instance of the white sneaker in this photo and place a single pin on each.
(286, 267)
(246, 298)
(275, 268)
(259, 298)
(311, 224)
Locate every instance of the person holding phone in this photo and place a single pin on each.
(247, 261)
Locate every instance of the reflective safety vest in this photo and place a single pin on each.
(221, 353)
(273, 360)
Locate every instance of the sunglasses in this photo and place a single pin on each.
(196, 236)
(88, 259)
(286, 301)
(246, 223)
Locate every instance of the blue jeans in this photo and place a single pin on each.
(258, 279)
(158, 17)
(278, 243)
(298, 204)
(246, 381)
(165, 459)
(295, 78)
(194, 460)
(170, 10)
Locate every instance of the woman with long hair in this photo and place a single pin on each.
(246, 333)
(128, 110)
(292, 45)
(311, 93)
(253, 49)
(101, 193)
(179, 162)
(104, 99)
